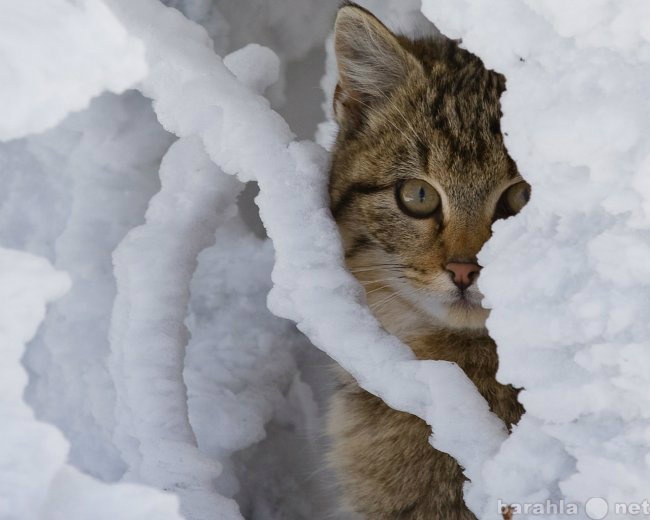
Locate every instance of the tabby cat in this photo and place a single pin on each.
(419, 174)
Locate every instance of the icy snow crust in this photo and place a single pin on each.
(161, 365)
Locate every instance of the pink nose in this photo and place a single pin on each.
(463, 273)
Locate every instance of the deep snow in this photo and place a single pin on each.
(161, 365)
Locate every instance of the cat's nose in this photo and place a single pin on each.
(463, 273)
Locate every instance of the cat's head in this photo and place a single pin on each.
(419, 170)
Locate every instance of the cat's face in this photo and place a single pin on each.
(419, 171)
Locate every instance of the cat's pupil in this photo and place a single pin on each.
(421, 195)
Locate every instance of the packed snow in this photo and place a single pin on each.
(160, 385)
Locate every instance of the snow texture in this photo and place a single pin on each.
(568, 279)
(46, 73)
(35, 479)
(161, 370)
(77, 192)
(153, 269)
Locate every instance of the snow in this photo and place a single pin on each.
(165, 382)
(311, 285)
(245, 381)
(35, 479)
(568, 278)
(46, 73)
(27, 283)
(77, 220)
(153, 266)
(74, 194)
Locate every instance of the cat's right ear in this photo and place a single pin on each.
(371, 61)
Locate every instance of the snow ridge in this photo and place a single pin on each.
(153, 267)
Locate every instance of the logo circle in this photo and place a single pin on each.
(596, 508)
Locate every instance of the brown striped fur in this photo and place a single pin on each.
(413, 109)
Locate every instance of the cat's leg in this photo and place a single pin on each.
(386, 466)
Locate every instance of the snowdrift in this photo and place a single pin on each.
(159, 385)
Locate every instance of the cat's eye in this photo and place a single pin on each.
(417, 198)
(513, 200)
(518, 196)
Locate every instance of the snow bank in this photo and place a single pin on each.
(153, 267)
(27, 283)
(225, 418)
(46, 73)
(568, 278)
(35, 480)
(72, 194)
(244, 383)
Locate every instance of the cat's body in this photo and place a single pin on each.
(419, 173)
(387, 468)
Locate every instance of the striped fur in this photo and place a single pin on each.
(413, 109)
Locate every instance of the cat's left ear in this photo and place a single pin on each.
(371, 60)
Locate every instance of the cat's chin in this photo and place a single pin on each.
(465, 315)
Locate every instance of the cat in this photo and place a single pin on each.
(419, 173)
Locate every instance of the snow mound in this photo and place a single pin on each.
(36, 481)
(153, 268)
(161, 367)
(46, 73)
(108, 367)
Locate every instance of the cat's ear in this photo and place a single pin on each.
(371, 61)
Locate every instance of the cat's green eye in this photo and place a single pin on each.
(518, 196)
(417, 198)
(512, 201)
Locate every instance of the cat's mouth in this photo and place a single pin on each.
(434, 295)
(470, 297)
(459, 308)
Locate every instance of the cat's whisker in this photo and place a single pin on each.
(387, 264)
(374, 268)
(376, 304)
(379, 307)
(369, 288)
(366, 275)
(383, 302)
(373, 271)
(377, 280)
(378, 289)
(416, 290)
